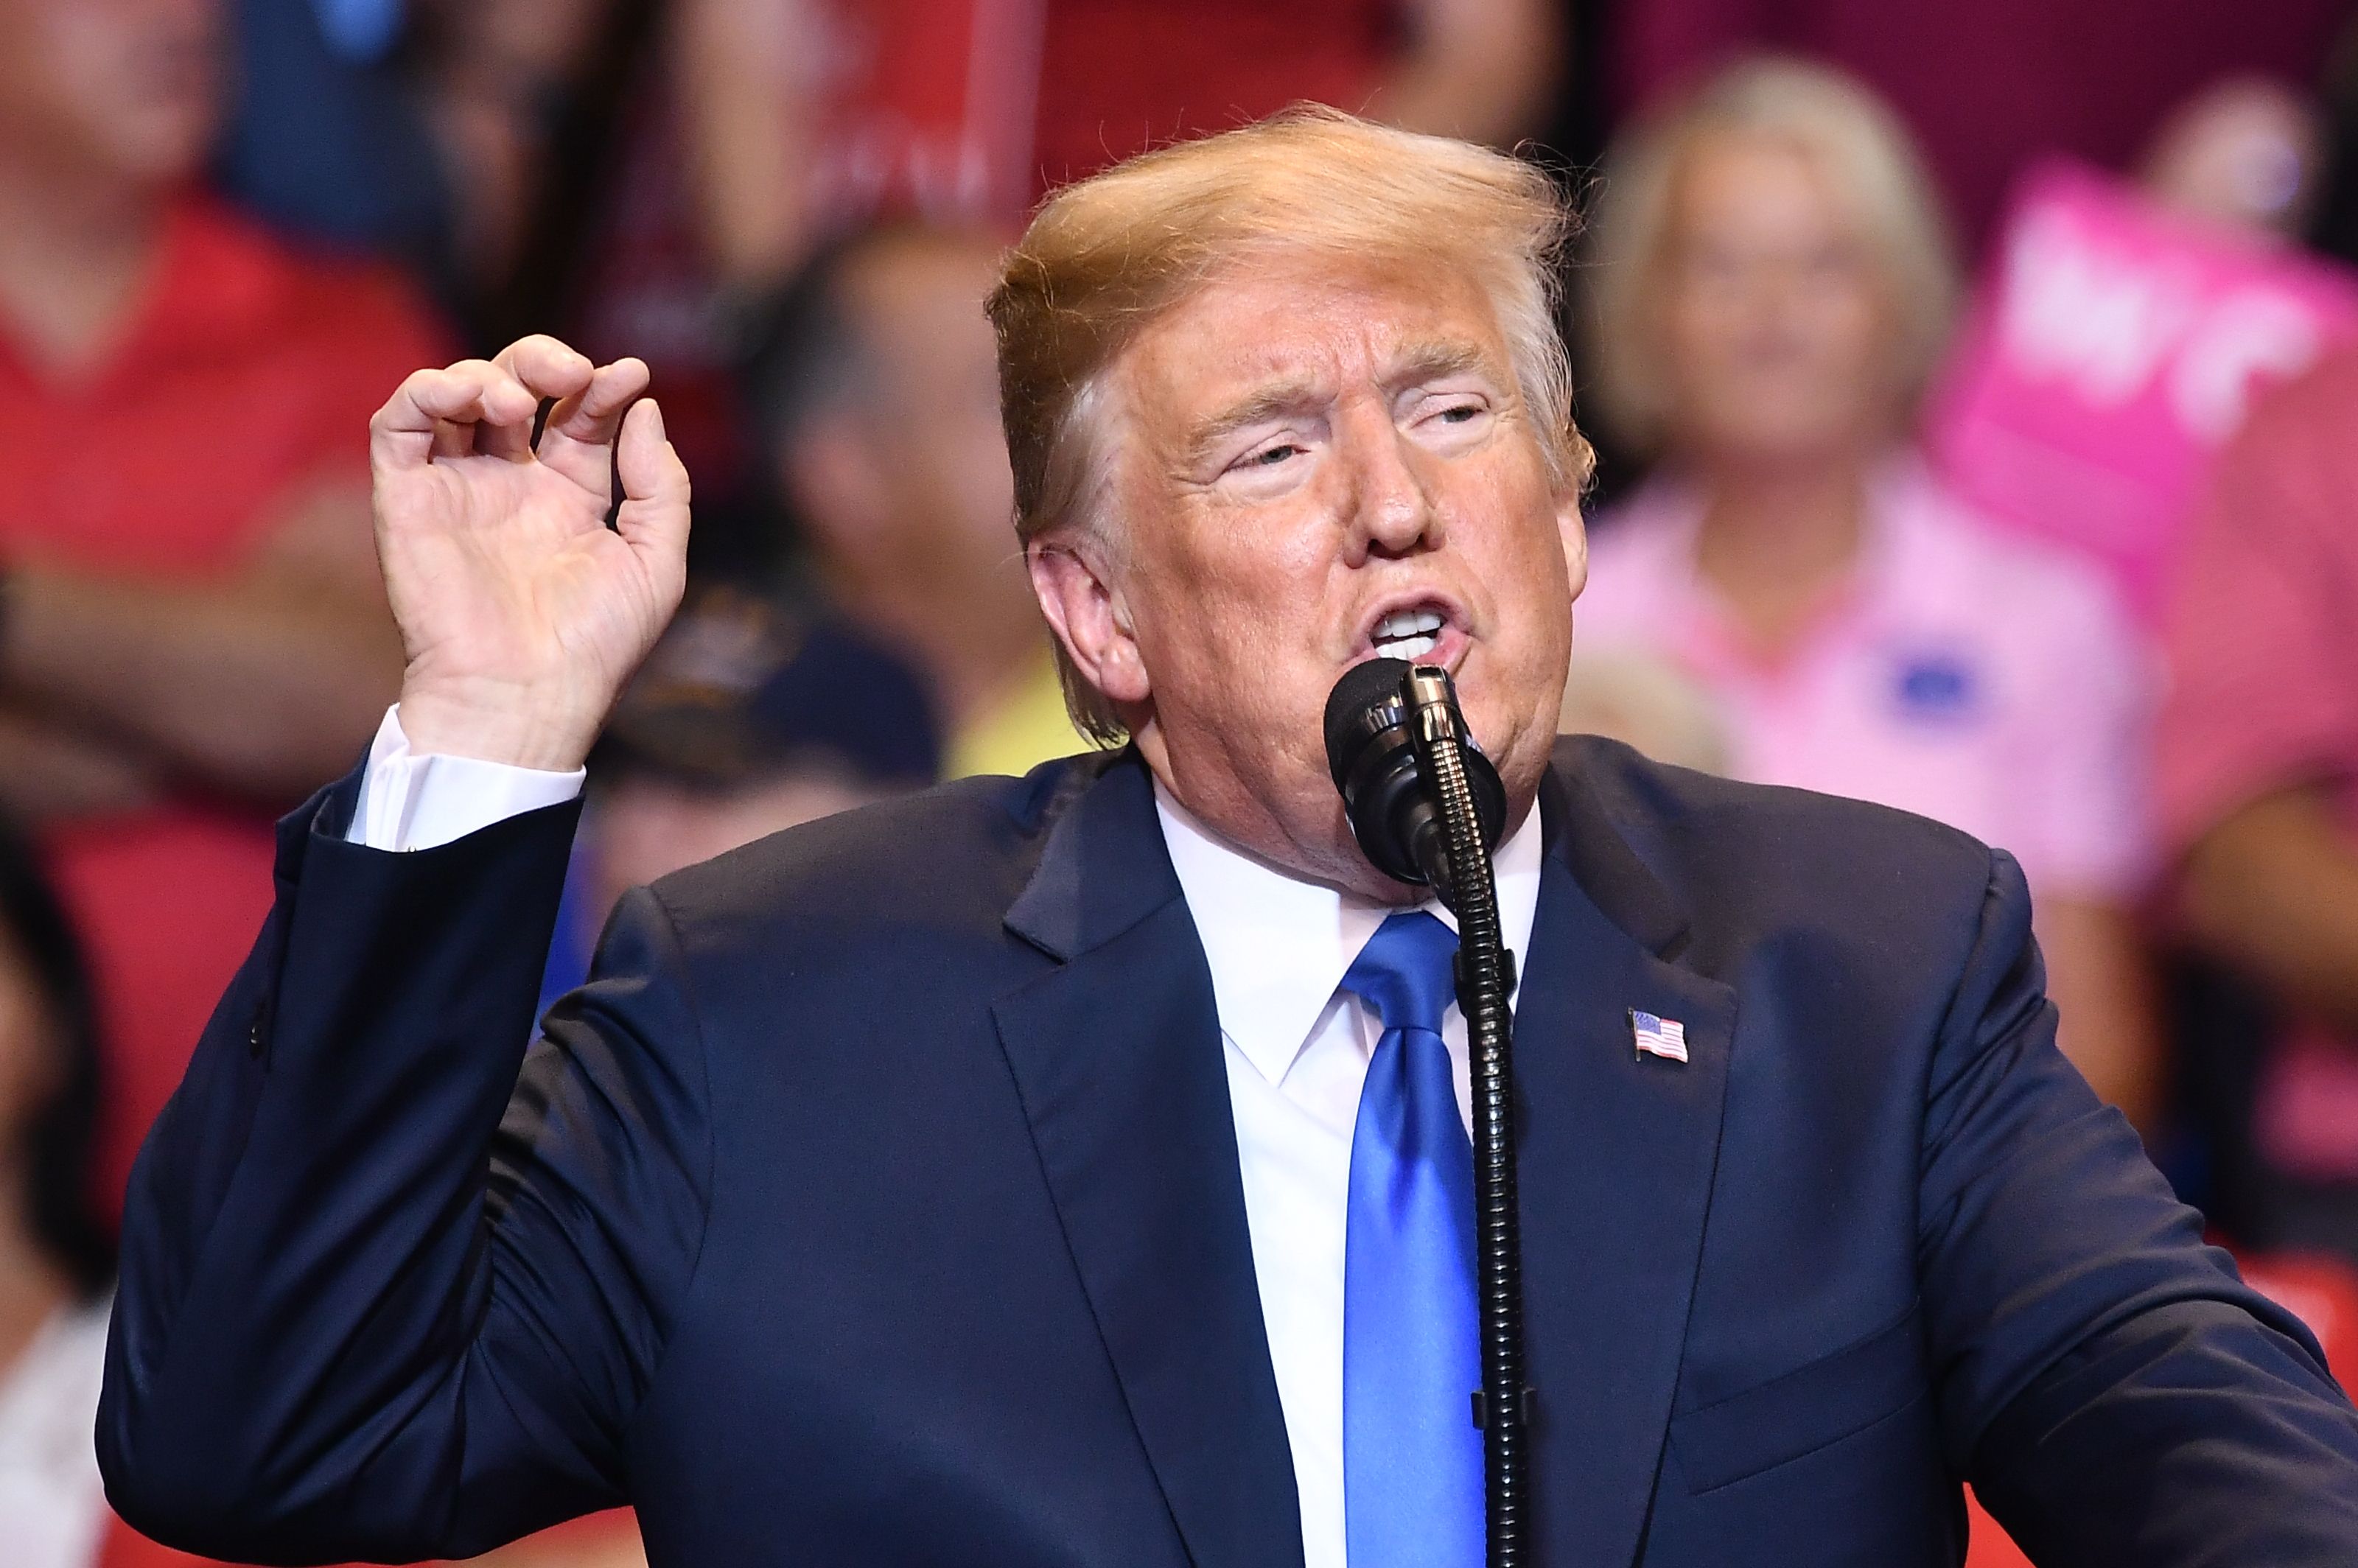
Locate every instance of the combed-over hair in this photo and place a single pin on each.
(1106, 255)
(1856, 144)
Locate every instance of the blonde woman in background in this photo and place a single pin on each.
(1772, 286)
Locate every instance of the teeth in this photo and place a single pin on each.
(1408, 633)
(1407, 623)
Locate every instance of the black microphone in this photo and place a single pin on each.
(1372, 717)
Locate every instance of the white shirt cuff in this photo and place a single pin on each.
(410, 801)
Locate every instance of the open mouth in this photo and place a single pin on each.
(1411, 634)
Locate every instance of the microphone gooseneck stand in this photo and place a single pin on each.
(1426, 806)
(1485, 980)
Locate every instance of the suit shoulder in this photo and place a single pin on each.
(1748, 859)
(955, 854)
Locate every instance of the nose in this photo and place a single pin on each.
(1390, 511)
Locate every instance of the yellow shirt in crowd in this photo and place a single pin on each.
(1029, 727)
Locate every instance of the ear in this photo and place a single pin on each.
(1087, 612)
(1573, 530)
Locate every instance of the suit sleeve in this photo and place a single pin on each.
(2114, 1392)
(393, 1287)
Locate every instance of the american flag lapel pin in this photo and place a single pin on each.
(1663, 1037)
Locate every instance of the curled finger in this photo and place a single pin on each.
(593, 417)
(446, 411)
(545, 366)
(578, 440)
(508, 409)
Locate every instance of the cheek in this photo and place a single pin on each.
(1231, 622)
(1846, 329)
(1538, 625)
(1263, 568)
(1514, 531)
(1692, 332)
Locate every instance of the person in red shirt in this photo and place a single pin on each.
(192, 632)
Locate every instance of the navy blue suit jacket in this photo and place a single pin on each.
(877, 1202)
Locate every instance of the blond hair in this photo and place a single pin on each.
(1855, 141)
(1106, 255)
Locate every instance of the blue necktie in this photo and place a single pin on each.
(1412, 1458)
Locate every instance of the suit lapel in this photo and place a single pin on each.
(1617, 1153)
(1116, 1053)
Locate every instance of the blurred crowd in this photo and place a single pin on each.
(228, 228)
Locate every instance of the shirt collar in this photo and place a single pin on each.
(1278, 945)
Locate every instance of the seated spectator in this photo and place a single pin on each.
(875, 398)
(1773, 288)
(2258, 780)
(746, 720)
(192, 632)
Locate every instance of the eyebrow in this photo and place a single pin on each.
(1435, 358)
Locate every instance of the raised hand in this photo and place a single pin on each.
(521, 612)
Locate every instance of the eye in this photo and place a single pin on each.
(1453, 411)
(1270, 461)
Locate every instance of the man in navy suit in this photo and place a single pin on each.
(1069, 1170)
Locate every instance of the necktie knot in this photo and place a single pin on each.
(1405, 971)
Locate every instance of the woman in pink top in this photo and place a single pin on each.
(1773, 285)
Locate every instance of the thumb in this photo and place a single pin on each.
(653, 516)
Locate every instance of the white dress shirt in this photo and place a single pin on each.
(410, 801)
(1295, 1051)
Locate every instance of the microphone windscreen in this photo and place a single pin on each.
(1363, 686)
